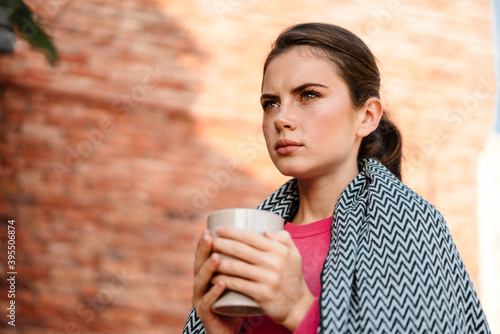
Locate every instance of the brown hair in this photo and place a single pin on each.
(357, 67)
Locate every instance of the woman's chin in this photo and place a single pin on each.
(294, 167)
(293, 171)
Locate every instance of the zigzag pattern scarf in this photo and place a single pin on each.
(392, 266)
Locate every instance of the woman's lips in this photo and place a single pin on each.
(286, 146)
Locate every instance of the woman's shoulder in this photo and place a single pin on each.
(388, 192)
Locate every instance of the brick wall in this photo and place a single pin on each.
(111, 161)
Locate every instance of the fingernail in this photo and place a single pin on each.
(214, 256)
(219, 229)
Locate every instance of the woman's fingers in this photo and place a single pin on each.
(254, 240)
(204, 294)
(249, 246)
(210, 297)
(203, 250)
(234, 267)
(282, 237)
(237, 250)
(265, 267)
(239, 284)
(244, 236)
(204, 274)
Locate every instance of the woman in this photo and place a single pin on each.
(384, 261)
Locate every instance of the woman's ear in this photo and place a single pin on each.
(369, 116)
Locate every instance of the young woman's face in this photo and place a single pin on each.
(309, 122)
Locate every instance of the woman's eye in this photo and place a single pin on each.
(309, 95)
(269, 105)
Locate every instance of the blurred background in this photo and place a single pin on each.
(112, 159)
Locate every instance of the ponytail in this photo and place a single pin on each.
(385, 145)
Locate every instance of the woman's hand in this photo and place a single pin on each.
(268, 269)
(205, 265)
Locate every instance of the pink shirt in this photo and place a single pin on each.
(313, 242)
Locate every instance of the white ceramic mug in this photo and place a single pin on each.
(258, 221)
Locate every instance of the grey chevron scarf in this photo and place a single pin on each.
(392, 266)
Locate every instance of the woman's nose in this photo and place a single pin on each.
(285, 119)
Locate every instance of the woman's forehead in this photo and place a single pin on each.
(299, 65)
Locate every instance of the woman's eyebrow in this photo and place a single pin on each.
(300, 88)
(268, 97)
(295, 90)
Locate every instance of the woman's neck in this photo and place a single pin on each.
(318, 196)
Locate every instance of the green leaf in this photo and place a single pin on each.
(21, 18)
